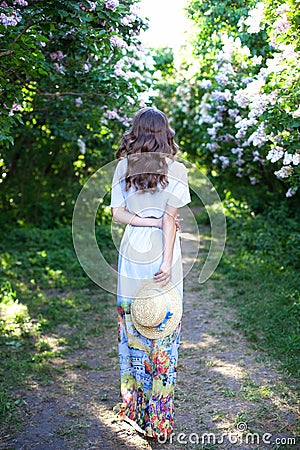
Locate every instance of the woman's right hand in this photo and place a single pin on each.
(177, 222)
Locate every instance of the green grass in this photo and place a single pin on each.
(48, 306)
(259, 276)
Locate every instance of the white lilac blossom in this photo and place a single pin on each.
(281, 25)
(118, 70)
(112, 4)
(239, 172)
(86, 67)
(233, 112)
(221, 95)
(225, 161)
(291, 192)
(291, 158)
(116, 41)
(221, 78)
(81, 145)
(259, 137)
(288, 158)
(239, 162)
(296, 113)
(260, 102)
(245, 123)
(228, 69)
(78, 102)
(256, 60)
(136, 10)
(253, 180)
(284, 172)
(237, 151)
(275, 154)
(144, 97)
(255, 17)
(215, 159)
(296, 159)
(205, 84)
(241, 98)
(212, 132)
(212, 146)
(256, 156)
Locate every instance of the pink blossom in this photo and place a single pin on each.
(112, 4)
(57, 55)
(115, 41)
(130, 18)
(15, 108)
(59, 68)
(111, 114)
(281, 25)
(20, 2)
(92, 5)
(10, 21)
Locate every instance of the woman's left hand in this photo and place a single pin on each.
(177, 221)
(163, 275)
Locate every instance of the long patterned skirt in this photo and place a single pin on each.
(147, 367)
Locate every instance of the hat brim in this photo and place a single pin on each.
(175, 308)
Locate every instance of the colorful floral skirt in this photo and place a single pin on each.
(147, 367)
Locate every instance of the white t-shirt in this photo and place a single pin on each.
(145, 203)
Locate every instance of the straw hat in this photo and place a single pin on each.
(156, 311)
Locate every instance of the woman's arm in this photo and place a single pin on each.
(169, 232)
(121, 215)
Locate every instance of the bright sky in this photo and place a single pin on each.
(167, 23)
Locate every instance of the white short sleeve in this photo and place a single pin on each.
(118, 186)
(180, 193)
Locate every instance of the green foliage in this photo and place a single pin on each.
(236, 102)
(68, 71)
(44, 287)
(260, 271)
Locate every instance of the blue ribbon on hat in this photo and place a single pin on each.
(168, 315)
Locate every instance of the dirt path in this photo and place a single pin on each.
(224, 386)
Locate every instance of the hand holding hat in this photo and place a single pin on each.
(155, 310)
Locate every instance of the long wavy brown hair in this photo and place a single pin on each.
(147, 144)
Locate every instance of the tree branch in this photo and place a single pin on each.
(10, 52)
